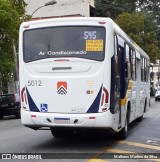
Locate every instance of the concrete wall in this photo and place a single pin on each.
(61, 8)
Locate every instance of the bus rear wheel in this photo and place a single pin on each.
(59, 133)
(141, 117)
(124, 132)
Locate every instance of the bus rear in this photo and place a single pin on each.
(62, 74)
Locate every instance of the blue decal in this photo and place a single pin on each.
(95, 105)
(32, 105)
(44, 107)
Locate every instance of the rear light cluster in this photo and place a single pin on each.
(92, 117)
(102, 22)
(104, 99)
(33, 116)
(24, 99)
(27, 26)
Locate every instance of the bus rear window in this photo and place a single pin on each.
(86, 42)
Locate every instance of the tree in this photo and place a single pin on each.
(152, 9)
(140, 19)
(12, 13)
(113, 8)
(140, 29)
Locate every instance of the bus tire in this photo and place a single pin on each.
(141, 117)
(61, 133)
(124, 132)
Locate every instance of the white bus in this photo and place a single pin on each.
(81, 73)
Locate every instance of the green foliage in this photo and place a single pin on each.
(113, 8)
(140, 19)
(141, 29)
(151, 7)
(12, 13)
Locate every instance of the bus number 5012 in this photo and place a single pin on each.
(34, 83)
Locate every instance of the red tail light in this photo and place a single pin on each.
(27, 26)
(104, 109)
(92, 117)
(23, 96)
(106, 94)
(33, 116)
(102, 22)
(104, 99)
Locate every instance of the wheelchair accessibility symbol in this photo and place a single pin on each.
(44, 107)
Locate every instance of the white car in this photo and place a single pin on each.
(157, 95)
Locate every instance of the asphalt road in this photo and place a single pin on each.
(144, 137)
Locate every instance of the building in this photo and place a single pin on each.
(62, 8)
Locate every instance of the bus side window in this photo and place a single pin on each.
(127, 62)
(142, 69)
(115, 45)
(147, 70)
(133, 65)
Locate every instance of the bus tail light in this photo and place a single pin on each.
(92, 117)
(102, 22)
(27, 26)
(104, 109)
(33, 116)
(104, 99)
(24, 99)
(106, 94)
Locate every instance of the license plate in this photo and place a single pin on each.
(62, 120)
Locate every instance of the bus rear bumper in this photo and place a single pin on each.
(93, 120)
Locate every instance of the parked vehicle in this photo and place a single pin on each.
(157, 95)
(9, 105)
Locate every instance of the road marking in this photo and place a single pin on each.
(140, 145)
